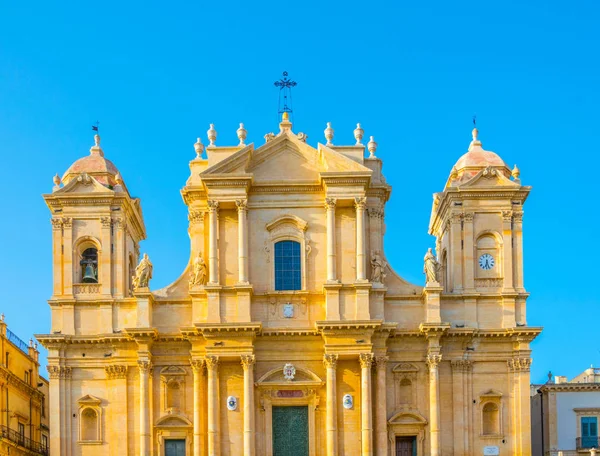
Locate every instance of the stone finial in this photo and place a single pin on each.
(475, 134)
(516, 172)
(96, 149)
(329, 134)
(30, 343)
(453, 174)
(212, 135)
(199, 148)
(119, 181)
(56, 181)
(242, 134)
(372, 147)
(2, 316)
(358, 134)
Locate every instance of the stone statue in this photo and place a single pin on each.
(431, 267)
(143, 273)
(199, 272)
(378, 267)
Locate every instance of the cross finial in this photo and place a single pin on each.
(285, 85)
(96, 127)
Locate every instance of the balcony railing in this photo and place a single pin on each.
(21, 440)
(18, 342)
(584, 443)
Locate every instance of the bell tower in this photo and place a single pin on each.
(477, 222)
(96, 230)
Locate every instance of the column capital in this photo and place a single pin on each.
(145, 366)
(59, 371)
(366, 360)
(197, 364)
(468, 217)
(456, 218)
(461, 365)
(330, 203)
(57, 223)
(241, 204)
(519, 364)
(518, 216)
(67, 222)
(381, 361)
(247, 361)
(360, 202)
(330, 360)
(195, 217)
(213, 205)
(212, 362)
(433, 359)
(116, 371)
(507, 216)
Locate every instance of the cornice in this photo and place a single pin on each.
(347, 325)
(19, 384)
(569, 387)
(287, 188)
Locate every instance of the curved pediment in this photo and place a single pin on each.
(302, 377)
(287, 219)
(408, 417)
(88, 399)
(173, 421)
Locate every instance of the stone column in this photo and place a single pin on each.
(460, 406)
(331, 272)
(212, 365)
(366, 360)
(507, 241)
(360, 204)
(67, 254)
(117, 395)
(145, 367)
(105, 257)
(213, 263)
(242, 207)
(518, 250)
(68, 410)
(433, 360)
(469, 252)
(121, 261)
(248, 365)
(330, 362)
(198, 368)
(381, 406)
(455, 258)
(55, 410)
(57, 253)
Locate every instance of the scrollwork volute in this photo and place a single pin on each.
(212, 362)
(468, 217)
(197, 365)
(241, 204)
(360, 202)
(145, 366)
(196, 217)
(433, 360)
(67, 222)
(116, 371)
(381, 362)
(57, 224)
(213, 205)
(106, 222)
(507, 216)
(518, 216)
(330, 203)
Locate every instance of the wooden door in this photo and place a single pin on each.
(406, 446)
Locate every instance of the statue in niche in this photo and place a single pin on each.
(378, 267)
(431, 267)
(199, 272)
(143, 273)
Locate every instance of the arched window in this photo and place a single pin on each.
(491, 419)
(89, 265)
(89, 425)
(405, 391)
(288, 266)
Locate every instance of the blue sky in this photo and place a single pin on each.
(155, 74)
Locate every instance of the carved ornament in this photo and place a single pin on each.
(195, 217)
(116, 371)
(366, 360)
(106, 222)
(212, 362)
(67, 222)
(242, 205)
(330, 360)
(381, 362)
(197, 365)
(213, 205)
(468, 217)
(433, 359)
(507, 216)
(330, 203)
(145, 366)
(360, 202)
(461, 365)
(247, 361)
(56, 223)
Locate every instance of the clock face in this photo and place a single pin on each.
(486, 261)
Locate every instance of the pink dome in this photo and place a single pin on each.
(100, 168)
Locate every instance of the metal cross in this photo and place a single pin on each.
(285, 85)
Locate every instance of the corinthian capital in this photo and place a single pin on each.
(360, 202)
(433, 359)
(247, 361)
(56, 223)
(381, 362)
(197, 365)
(366, 360)
(145, 366)
(213, 205)
(241, 204)
(330, 360)
(196, 217)
(330, 203)
(116, 371)
(212, 362)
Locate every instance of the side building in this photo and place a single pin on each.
(565, 415)
(287, 333)
(23, 398)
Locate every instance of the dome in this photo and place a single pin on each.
(475, 160)
(100, 168)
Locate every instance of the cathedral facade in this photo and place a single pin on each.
(288, 334)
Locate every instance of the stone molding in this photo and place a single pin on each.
(59, 371)
(519, 364)
(461, 365)
(195, 217)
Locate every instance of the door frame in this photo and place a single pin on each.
(407, 423)
(270, 398)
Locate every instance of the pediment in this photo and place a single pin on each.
(408, 417)
(173, 371)
(302, 377)
(88, 399)
(84, 183)
(283, 159)
(173, 421)
(404, 368)
(490, 177)
(491, 394)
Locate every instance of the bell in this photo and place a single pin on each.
(89, 275)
